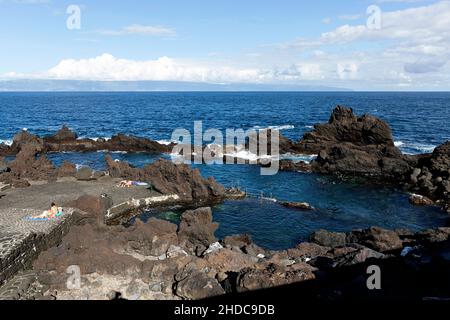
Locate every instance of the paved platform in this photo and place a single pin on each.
(21, 240)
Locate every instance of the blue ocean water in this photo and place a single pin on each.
(419, 122)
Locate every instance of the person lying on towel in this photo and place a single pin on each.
(54, 211)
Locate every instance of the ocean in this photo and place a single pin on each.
(420, 121)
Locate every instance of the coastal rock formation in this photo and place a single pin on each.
(196, 230)
(378, 239)
(328, 239)
(173, 263)
(153, 238)
(430, 177)
(30, 164)
(289, 165)
(345, 126)
(352, 145)
(4, 150)
(420, 200)
(63, 135)
(27, 165)
(4, 167)
(297, 205)
(272, 275)
(66, 140)
(169, 178)
(67, 169)
(25, 138)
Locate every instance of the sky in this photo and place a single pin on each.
(355, 44)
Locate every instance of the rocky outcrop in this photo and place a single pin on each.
(153, 238)
(419, 200)
(345, 126)
(378, 239)
(169, 178)
(272, 275)
(4, 166)
(352, 145)
(430, 177)
(27, 165)
(63, 135)
(66, 140)
(289, 165)
(30, 164)
(296, 205)
(187, 262)
(25, 138)
(67, 169)
(328, 238)
(4, 150)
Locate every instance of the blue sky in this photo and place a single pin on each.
(296, 42)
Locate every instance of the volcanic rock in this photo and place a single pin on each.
(4, 167)
(352, 145)
(63, 135)
(196, 230)
(25, 138)
(297, 205)
(273, 275)
(198, 285)
(152, 238)
(85, 174)
(376, 238)
(169, 178)
(67, 169)
(328, 239)
(420, 200)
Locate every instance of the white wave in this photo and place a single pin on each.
(422, 147)
(8, 142)
(281, 127)
(166, 142)
(307, 158)
(107, 151)
(96, 138)
(414, 148)
(309, 127)
(246, 155)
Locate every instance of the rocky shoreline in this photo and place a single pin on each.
(161, 260)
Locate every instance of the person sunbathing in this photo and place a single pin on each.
(52, 213)
(125, 184)
(129, 184)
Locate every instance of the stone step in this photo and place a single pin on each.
(4, 187)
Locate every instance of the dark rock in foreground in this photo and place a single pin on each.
(196, 230)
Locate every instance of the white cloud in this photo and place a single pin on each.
(412, 49)
(326, 20)
(350, 17)
(347, 70)
(108, 67)
(140, 29)
(425, 66)
(426, 24)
